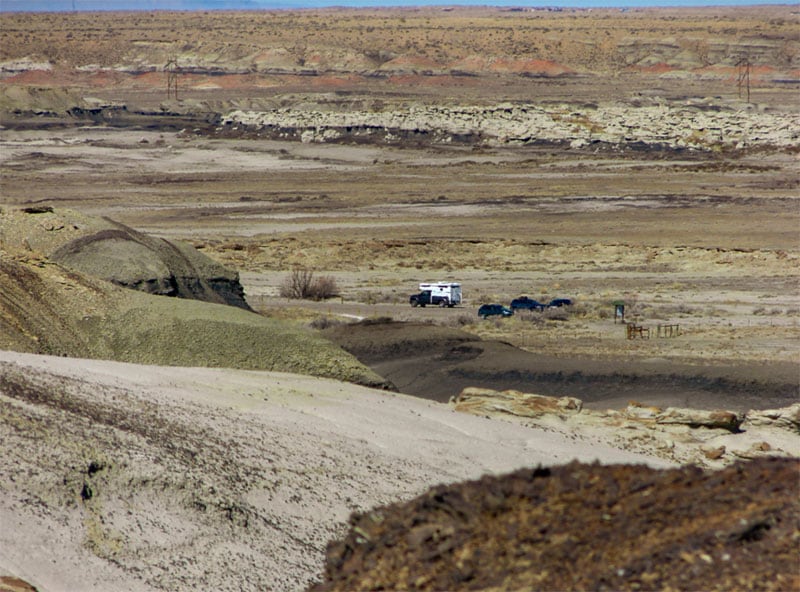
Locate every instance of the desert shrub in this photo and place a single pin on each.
(368, 297)
(592, 309)
(297, 284)
(463, 320)
(301, 284)
(658, 314)
(324, 287)
(497, 322)
(556, 314)
(686, 310)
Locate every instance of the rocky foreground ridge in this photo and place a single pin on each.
(583, 527)
(702, 125)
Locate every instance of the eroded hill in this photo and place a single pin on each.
(51, 307)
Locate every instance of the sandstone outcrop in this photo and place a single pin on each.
(478, 401)
(659, 124)
(787, 418)
(711, 438)
(12, 584)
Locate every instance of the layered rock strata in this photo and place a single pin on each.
(699, 125)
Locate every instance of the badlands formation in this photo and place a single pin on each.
(157, 443)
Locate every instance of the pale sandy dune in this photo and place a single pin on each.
(220, 479)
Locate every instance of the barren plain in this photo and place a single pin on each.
(649, 157)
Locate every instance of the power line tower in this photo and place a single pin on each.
(743, 77)
(172, 71)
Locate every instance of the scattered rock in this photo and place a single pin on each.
(697, 418)
(707, 438)
(756, 450)
(714, 453)
(787, 418)
(12, 584)
(515, 403)
(38, 210)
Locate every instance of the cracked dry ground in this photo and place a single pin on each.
(584, 527)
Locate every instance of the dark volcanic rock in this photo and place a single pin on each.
(583, 527)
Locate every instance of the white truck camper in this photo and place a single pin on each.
(437, 294)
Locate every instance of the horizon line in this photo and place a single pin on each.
(9, 6)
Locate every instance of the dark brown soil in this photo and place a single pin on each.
(437, 362)
(583, 527)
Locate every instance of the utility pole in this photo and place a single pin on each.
(172, 71)
(743, 77)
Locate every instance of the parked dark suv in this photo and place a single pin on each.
(489, 310)
(525, 303)
(559, 302)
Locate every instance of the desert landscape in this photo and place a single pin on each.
(175, 418)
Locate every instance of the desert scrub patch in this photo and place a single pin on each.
(591, 309)
(764, 311)
(556, 314)
(290, 313)
(373, 297)
(325, 322)
(462, 320)
(679, 310)
(603, 313)
(530, 317)
(582, 309)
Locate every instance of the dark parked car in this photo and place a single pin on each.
(559, 302)
(525, 303)
(488, 310)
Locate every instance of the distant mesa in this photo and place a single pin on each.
(504, 65)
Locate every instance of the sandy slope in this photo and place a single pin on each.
(142, 477)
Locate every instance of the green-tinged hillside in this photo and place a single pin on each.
(105, 249)
(49, 309)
